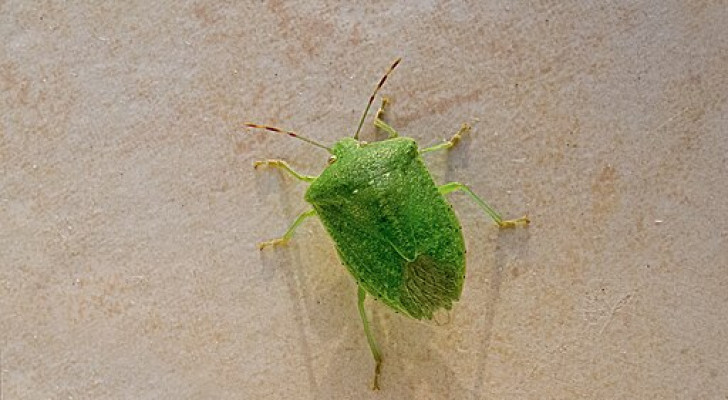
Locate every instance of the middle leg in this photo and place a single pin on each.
(511, 223)
(289, 233)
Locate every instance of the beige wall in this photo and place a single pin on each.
(129, 211)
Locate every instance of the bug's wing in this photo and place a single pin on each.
(368, 255)
(389, 203)
(400, 240)
(429, 285)
(425, 225)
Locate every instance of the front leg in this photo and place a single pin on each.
(449, 143)
(284, 166)
(379, 122)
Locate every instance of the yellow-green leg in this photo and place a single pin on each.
(450, 143)
(284, 166)
(370, 338)
(511, 223)
(289, 233)
(379, 122)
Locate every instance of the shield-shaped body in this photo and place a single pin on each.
(393, 229)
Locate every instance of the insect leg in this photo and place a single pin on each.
(370, 338)
(454, 186)
(379, 122)
(450, 143)
(284, 166)
(289, 233)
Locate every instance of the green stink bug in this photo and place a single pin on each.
(392, 227)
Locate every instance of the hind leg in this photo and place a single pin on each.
(370, 338)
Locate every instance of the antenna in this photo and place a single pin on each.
(289, 133)
(371, 99)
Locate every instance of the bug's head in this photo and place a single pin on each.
(343, 148)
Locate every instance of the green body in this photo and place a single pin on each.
(393, 229)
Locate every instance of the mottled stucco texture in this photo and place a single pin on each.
(130, 211)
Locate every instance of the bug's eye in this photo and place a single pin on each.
(332, 160)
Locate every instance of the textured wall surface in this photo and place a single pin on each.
(129, 210)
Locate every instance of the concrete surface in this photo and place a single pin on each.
(130, 213)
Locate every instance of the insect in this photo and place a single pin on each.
(393, 228)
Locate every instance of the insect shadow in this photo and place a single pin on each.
(508, 247)
(270, 187)
(491, 261)
(415, 366)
